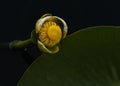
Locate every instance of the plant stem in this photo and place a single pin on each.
(20, 47)
(20, 44)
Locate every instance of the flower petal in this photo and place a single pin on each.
(65, 27)
(47, 14)
(40, 22)
(43, 48)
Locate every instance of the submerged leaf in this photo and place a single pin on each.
(88, 57)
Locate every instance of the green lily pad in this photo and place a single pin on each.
(88, 57)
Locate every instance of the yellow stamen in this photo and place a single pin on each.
(54, 32)
(50, 34)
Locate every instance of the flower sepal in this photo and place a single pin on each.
(45, 49)
(34, 36)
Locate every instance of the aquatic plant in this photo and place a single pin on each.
(88, 57)
(48, 33)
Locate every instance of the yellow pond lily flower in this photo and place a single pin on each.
(50, 31)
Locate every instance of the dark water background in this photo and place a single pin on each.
(18, 17)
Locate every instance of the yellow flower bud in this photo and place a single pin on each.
(50, 34)
(50, 30)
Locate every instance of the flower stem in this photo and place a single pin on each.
(19, 47)
(17, 44)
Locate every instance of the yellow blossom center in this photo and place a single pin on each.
(54, 32)
(50, 34)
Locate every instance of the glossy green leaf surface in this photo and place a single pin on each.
(88, 57)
